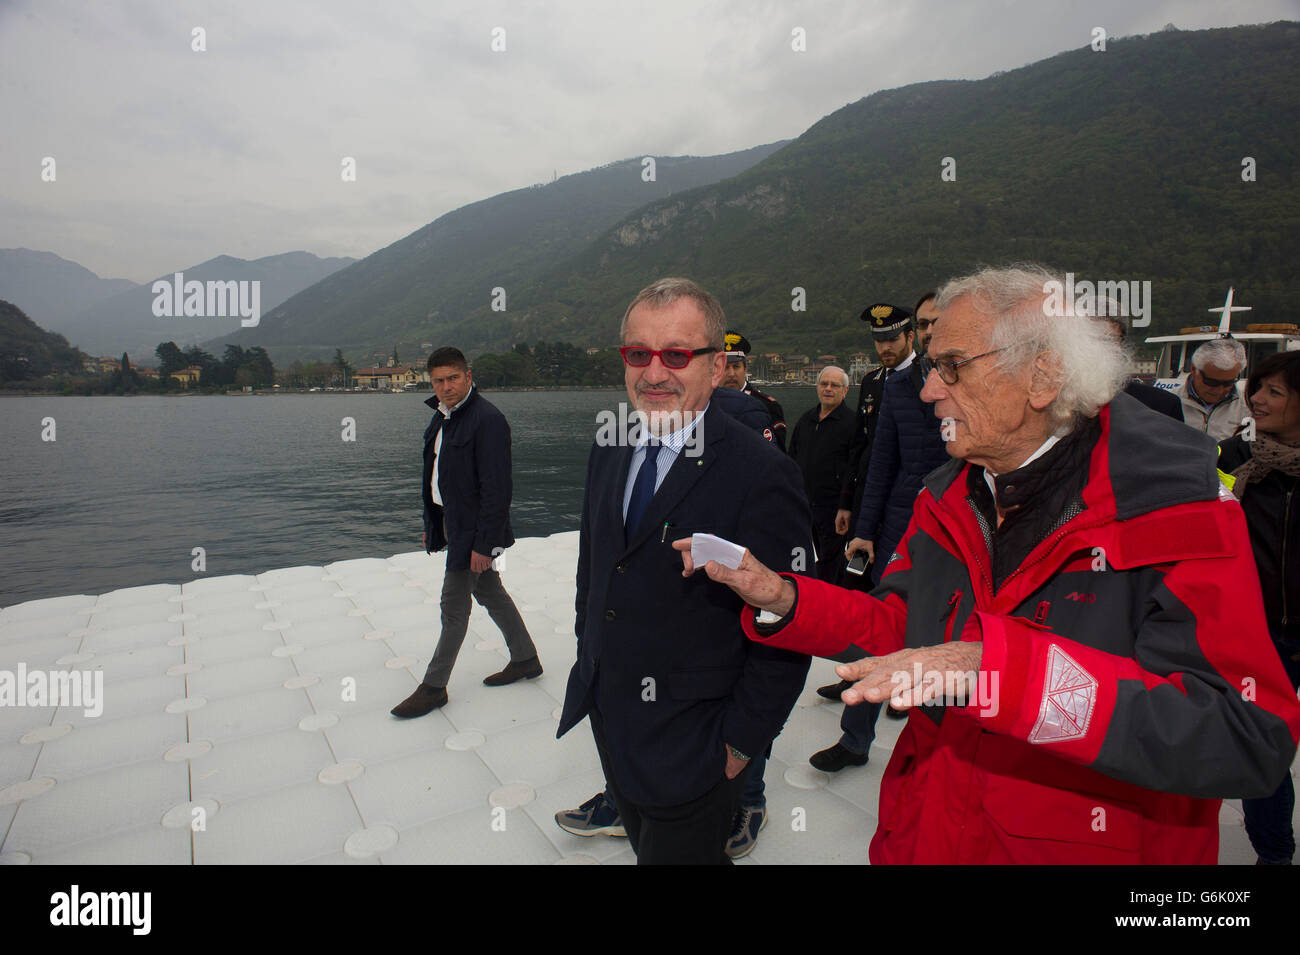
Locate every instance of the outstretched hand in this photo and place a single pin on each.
(913, 677)
(753, 583)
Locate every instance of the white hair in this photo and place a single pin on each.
(844, 374)
(1092, 367)
(1221, 353)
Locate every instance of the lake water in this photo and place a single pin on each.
(130, 486)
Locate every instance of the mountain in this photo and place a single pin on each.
(29, 351)
(1122, 165)
(442, 271)
(127, 321)
(52, 288)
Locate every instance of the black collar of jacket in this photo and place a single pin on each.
(1060, 472)
(469, 400)
(1153, 461)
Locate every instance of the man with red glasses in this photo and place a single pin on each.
(679, 700)
(1072, 620)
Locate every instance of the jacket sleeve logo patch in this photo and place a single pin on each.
(1069, 697)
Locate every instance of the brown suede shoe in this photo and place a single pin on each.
(523, 670)
(424, 700)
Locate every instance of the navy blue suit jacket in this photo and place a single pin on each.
(473, 480)
(663, 656)
(907, 445)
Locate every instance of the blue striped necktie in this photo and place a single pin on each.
(642, 491)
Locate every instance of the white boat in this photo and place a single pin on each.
(1260, 340)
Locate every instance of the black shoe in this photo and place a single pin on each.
(523, 670)
(836, 758)
(833, 691)
(424, 700)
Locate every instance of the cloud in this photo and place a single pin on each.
(167, 156)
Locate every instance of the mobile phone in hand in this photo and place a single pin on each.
(858, 565)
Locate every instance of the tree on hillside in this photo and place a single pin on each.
(344, 366)
(170, 359)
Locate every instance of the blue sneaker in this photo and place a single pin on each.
(744, 831)
(595, 817)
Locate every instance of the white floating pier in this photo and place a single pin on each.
(245, 720)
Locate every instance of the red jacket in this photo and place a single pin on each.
(1134, 686)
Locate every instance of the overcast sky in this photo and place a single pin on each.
(166, 157)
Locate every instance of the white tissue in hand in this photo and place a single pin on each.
(706, 547)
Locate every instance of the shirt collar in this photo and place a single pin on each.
(905, 363)
(1042, 449)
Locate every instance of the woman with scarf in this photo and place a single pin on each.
(1265, 468)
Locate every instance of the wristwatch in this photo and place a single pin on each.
(735, 753)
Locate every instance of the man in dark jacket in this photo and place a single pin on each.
(679, 701)
(466, 492)
(893, 337)
(820, 445)
(736, 375)
(907, 446)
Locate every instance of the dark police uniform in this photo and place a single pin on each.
(774, 411)
(886, 321)
(737, 348)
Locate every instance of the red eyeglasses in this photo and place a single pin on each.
(674, 358)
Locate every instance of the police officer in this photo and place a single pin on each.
(736, 376)
(892, 334)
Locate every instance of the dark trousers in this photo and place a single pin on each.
(830, 545)
(858, 727)
(457, 587)
(693, 833)
(1268, 820)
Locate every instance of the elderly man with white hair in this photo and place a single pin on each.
(1211, 401)
(820, 445)
(1072, 620)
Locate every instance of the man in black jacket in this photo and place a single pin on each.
(466, 492)
(736, 375)
(820, 445)
(679, 701)
(893, 336)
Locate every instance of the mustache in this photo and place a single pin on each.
(642, 387)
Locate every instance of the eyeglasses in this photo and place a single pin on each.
(674, 358)
(1217, 382)
(924, 323)
(947, 368)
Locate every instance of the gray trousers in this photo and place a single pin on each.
(457, 587)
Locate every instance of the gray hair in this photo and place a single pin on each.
(1221, 353)
(842, 372)
(1093, 366)
(664, 292)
